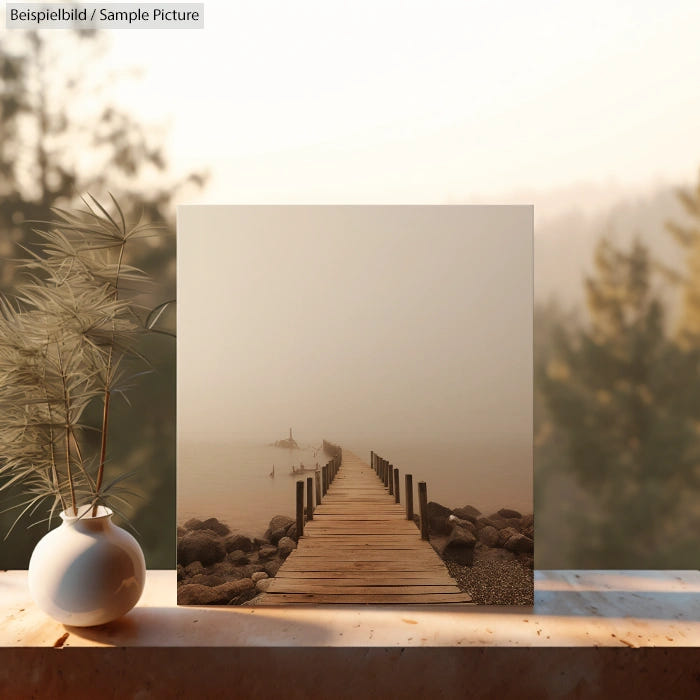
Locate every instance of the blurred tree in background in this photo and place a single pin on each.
(688, 237)
(62, 136)
(617, 414)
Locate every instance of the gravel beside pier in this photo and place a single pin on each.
(495, 582)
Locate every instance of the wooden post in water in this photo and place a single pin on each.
(423, 503)
(409, 496)
(397, 495)
(309, 498)
(300, 508)
(390, 478)
(317, 476)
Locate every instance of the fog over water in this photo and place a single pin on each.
(407, 330)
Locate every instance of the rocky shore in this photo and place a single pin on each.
(216, 567)
(490, 557)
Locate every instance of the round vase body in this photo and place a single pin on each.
(87, 571)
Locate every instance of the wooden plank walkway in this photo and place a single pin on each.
(360, 548)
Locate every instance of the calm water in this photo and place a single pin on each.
(233, 482)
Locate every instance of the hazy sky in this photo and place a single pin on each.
(405, 101)
(355, 322)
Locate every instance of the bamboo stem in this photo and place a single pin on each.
(105, 413)
(54, 470)
(66, 404)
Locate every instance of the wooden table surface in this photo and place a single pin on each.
(572, 608)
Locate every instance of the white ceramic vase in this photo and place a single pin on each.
(87, 571)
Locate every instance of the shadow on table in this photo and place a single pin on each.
(640, 594)
(203, 626)
(657, 605)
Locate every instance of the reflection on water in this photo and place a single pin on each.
(233, 482)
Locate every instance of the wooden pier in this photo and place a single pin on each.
(362, 546)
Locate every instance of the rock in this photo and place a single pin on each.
(492, 554)
(460, 546)
(226, 591)
(238, 557)
(529, 532)
(278, 522)
(249, 569)
(272, 567)
(509, 513)
(234, 542)
(200, 545)
(495, 520)
(267, 551)
(195, 594)
(286, 546)
(527, 560)
(514, 523)
(194, 568)
(505, 534)
(519, 544)
(292, 532)
(259, 542)
(467, 513)
(258, 576)
(263, 584)
(259, 597)
(438, 543)
(244, 597)
(489, 536)
(181, 531)
(180, 572)
(492, 521)
(527, 521)
(193, 524)
(225, 569)
(466, 524)
(215, 526)
(276, 535)
(207, 579)
(438, 519)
